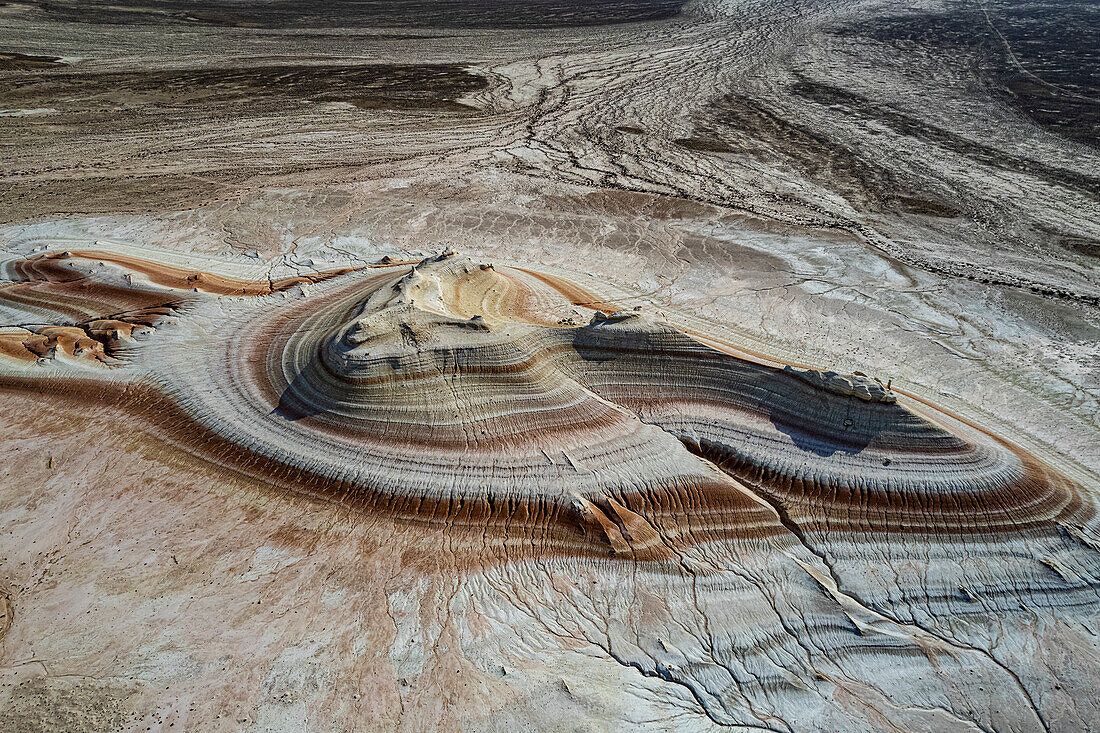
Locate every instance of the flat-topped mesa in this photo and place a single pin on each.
(856, 385)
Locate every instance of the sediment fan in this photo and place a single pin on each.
(508, 401)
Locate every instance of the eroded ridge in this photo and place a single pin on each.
(87, 305)
(453, 387)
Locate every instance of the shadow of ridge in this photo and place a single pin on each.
(813, 422)
(819, 445)
(292, 405)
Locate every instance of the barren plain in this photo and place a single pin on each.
(548, 365)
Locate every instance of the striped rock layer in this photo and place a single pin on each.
(767, 539)
(468, 388)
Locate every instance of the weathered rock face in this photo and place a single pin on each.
(519, 477)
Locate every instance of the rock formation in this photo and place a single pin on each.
(496, 405)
